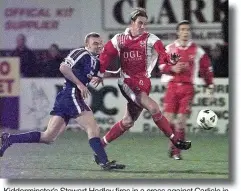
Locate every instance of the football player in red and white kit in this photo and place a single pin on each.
(180, 89)
(138, 51)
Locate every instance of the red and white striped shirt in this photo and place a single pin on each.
(138, 55)
(195, 60)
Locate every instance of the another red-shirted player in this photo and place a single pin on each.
(180, 89)
(138, 51)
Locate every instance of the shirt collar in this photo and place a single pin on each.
(178, 44)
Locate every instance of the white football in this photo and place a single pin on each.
(207, 119)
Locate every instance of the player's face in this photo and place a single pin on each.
(95, 45)
(184, 32)
(139, 26)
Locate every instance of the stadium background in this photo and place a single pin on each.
(27, 98)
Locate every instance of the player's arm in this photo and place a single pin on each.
(206, 71)
(108, 54)
(66, 70)
(166, 65)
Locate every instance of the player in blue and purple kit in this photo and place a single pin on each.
(78, 68)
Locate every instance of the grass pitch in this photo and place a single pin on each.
(145, 155)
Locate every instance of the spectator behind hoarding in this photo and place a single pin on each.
(52, 63)
(27, 58)
(219, 59)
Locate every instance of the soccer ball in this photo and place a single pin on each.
(207, 119)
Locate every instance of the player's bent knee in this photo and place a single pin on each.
(127, 123)
(153, 109)
(46, 138)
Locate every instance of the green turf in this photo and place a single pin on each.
(145, 155)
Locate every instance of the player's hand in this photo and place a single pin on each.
(84, 91)
(95, 80)
(175, 58)
(177, 68)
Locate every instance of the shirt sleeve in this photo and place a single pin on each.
(75, 57)
(110, 51)
(164, 58)
(206, 70)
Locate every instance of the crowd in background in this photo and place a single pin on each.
(45, 63)
(37, 63)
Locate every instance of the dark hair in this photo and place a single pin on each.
(54, 46)
(92, 34)
(184, 22)
(22, 36)
(138, 12)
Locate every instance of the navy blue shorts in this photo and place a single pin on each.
(69, 104)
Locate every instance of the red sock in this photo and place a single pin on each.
(115, 131)
(163, 124)
(173, 128)
(180, 133)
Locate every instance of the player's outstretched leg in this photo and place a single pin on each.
(165, 127)
(161, 121)
(56, 126)
(7, 139)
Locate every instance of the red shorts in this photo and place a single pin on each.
(178, 98)
(131, 87)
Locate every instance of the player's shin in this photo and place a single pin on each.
(180, 134)
(173, 129)
(95, 144)
(116, 131)
(163, 124)
(29, 137)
